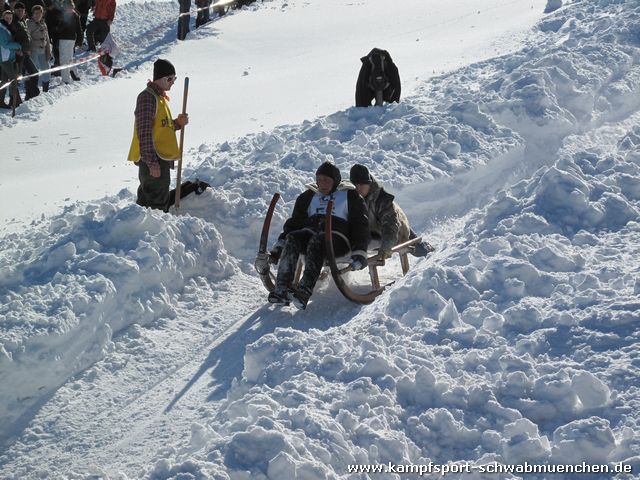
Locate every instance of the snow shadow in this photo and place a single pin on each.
(226, 358)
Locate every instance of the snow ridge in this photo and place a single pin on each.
(515, 342)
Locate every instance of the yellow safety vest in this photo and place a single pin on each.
(164, 137)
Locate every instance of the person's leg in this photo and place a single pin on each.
(66, 57)
(314, 261)
(83, 24)
(4, 78)
(102, 30)
(295, 245)
(183, 21)
(90, 35)
(10, 72)
(31, 84)
(153, 192)
(40, 60)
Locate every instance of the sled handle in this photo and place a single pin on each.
(184, 112)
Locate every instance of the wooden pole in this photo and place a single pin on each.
(184, 112)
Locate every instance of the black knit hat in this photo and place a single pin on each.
(162, 68)
(328, 169)
(359, 175)
(19, 5)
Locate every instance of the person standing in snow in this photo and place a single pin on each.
(25, 62)
(97, 30)
(303, 234)
(184, 19)
(40, 44)
(154, 146)
(8, 49)
(204, 14)
(387, 221)
(69, 34)
(52, 17)
(83, 7)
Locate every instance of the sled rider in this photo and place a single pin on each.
(303, 234)
(387, 221)
(154, 146)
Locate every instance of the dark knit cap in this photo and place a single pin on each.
(19, 5)
(328, 169)
(359, 175)
(162, 68)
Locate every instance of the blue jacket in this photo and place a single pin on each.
(7, 46)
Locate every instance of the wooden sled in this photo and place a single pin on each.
(338, 267)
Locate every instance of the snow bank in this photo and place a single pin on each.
(67, 286)
(401, 144)
(506, 346)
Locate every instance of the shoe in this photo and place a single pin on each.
(45, 86)
(5, 106)
(422, 249)
(278, 297)
(74, 76)
(300, 297)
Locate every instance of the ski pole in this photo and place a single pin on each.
(184, 112)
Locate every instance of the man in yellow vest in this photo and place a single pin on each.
(154, 146)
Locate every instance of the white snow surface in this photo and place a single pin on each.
(138, 344)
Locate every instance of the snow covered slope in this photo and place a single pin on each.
(280, 63)
(515, 342)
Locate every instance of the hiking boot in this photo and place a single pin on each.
(45, 86)
(422, 249)
(300, 297)
(278, 297)
(74, 76)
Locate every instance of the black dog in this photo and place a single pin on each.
(378, 79)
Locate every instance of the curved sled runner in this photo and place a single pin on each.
(263, 260)
(373, 262)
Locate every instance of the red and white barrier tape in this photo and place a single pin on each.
(219, 3)
(51, 70)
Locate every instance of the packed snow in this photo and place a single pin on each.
(138, 344)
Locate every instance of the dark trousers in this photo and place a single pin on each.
(9, 72)
(83, 25)
(204, 16)
(97, 31)
(55, 52)
(153, 192)
(312, 245)
(183, 20)
(26, 65)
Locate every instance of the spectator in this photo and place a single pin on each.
(184, 19)
(203, 12)
(69, 33)
(53, 19)
(25, 63)
(104, 12)
(40, 44)
(154, 146)
(8, 50)
(83, 7)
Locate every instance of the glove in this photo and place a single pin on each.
(358, 262)
(384, 253)
(276, 251)
(262, 263)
